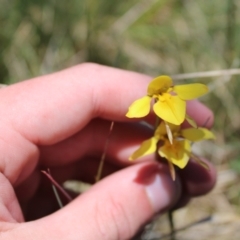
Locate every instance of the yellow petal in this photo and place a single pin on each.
(139, 108)
(190, 91)
(172, 170)
(147, 147)
(172, 110)
(178, 152)
(159, 85)
(161, 130)
(166, 130)
(197, 134)
(169, 133)
(191, 121)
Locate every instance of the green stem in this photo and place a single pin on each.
(170, 213)
(56, 187)
(57, 196)
(100, 168)
(157, 122)
(171, 224)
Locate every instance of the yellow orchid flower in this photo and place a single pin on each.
(179, 151)
(170, 100)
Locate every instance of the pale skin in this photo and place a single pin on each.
(60, 121)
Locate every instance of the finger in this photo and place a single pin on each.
(203, 182)
(91, 142)
(53, 107)
(85, 171)
(200, 113)
(108, 211)
(197, 180)
(9, 206)
(43, 196)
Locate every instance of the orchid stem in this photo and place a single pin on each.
(172, 171)
(100, 168)
(171, 224)
(57, 186)
(57, 196)
(157, 122)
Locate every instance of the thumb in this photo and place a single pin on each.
(114, 208)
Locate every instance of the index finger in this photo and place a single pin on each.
(50, 108)
(53, 107)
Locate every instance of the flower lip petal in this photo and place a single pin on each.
(139, 108)
(171, 110)
(159, 85)
(191, 121)
(190, 91)
(178, 153)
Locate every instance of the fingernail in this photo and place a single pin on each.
(162, 192)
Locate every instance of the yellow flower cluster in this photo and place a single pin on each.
(170, 101)
(169, 140)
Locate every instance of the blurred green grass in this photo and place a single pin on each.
(149, 36)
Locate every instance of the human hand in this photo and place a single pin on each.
(60, 121)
